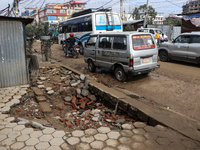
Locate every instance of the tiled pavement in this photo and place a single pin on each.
(137, 136)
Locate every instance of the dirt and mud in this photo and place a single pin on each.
(176, 85)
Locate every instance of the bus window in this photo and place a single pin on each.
(69, 28)
(81, 27)
(74, 28)
(64, 29)
(88, 26)
(60, 29)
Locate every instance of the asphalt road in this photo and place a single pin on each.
(176, 85)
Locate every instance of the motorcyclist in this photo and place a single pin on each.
(71, 40)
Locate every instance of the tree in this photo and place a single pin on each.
(139, 13)
(172, 21)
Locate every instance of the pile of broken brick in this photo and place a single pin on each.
(88, 110)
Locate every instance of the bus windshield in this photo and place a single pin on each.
(101, 19)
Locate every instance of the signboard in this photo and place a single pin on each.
(101, 19)
(51, 18)
(57, 7)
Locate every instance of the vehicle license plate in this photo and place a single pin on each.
(146, 60)
(77, 49)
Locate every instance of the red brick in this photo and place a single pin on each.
(55, 83)
(89, 102)
(83, 103)
(77, 122)
(68, 104)
(79, 96)
(62, 119)
(113, 116)
(69, 124)
(63, 84)
(82, 99)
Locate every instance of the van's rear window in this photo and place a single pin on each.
(142, 42)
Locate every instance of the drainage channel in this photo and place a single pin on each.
(61, 99)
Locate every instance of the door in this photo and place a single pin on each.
(103, 52)
(90, 48)
(194, 51)
(179, 48)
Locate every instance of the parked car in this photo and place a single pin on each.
(184, 48)
(153, 31)
(125, 53)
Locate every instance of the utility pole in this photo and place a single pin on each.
(145, 19)
(121, 9)
(16, 8)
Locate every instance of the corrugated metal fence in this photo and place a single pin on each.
(12, 54)
(171, 31)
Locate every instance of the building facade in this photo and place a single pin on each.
(191, 7)
(54, 12)
(158, 20)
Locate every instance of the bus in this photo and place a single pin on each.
(87, 22)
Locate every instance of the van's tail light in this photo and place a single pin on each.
(131, 63)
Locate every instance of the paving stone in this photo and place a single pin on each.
(6, 131)
(9, 119)
(14, 134)
(32, 141)
(127, 126)
(37, 91)
(2, 137)
(48, 130)
(8, 142)
(2, 105)
(176, 146)
(11, 125)
(45, 138)
(3, 123)
(54, 148)
(2, 127)
(40, 98)
(3, 148)
(77, 133)
(28, 148)
(56, 141)
(163, 141)
(97, 144)
(58, 134)
(125, 140)
(73, 140)
(103, 130)
(150, 144)
(112, 142)
(42, 145)
(27, 131)
(113, 135)
(188, 144)
(36, 134)
(83, 146)
(126, 133)
(17, 145)
(19, 128)
(109, 148)
(45, 107)
(101, 137)
(138, 138)
(91, 132)
(139, 131)
(150, 129)
(150, 136)
(123, 147)
(138, 146)
(87, 139)
(66, 146)
(139, 124)
(5, 110)
(160, 128)
(23, 138)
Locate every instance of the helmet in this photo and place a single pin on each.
(71, 34)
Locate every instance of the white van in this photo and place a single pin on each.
(125, 53)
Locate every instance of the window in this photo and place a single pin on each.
(69, 28)
(74, 28)
(196, 39)
(92, 41)
(64, 29)
(142, 42)
(88, 26)
(81, 27)
(182, 39)
(62, 11)
(119, 43)
(151, 31)
(60, 30)
(62, 18)
(105, 42)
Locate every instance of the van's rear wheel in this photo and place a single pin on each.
(120, 75)
(163, 55)
(81, 49)
(91, 66)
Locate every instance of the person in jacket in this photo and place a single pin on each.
(71, 40)
(157, 36)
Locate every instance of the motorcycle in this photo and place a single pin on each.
(73, 52)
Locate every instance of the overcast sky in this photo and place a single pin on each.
(163, 7)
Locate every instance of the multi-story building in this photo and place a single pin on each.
(158, 20)
(191, 7)
(54, 12)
